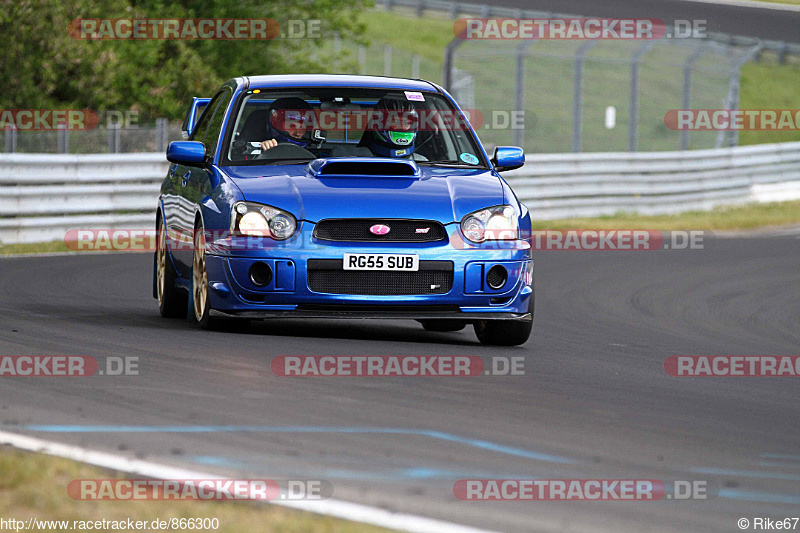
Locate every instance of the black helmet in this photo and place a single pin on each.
(285, 113)
(398, 121)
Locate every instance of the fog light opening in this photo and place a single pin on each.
(496, 277)
(260, 274)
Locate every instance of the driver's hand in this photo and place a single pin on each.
(269, 143)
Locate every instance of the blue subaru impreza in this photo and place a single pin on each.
(326, 196)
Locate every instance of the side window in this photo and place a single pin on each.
(211, 135)
(200, 130)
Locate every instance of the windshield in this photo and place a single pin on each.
(299, 125)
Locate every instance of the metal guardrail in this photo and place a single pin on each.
(42, 196)
(595, 184)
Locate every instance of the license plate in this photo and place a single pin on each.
(381, 262)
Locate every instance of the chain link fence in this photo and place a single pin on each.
(104, 139)
(595, 96)
(580, 96)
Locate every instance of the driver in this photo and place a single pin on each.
(288, 121)
(394, 136)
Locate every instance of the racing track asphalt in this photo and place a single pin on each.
(734, 19)
(594, 402)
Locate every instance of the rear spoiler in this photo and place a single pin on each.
(193, 115)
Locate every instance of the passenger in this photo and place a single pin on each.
(396, 133)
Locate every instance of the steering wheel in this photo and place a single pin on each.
(286, 151)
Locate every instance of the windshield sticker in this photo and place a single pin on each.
(469, 159)
(415, 96)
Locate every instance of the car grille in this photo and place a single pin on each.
(357, 229)
(327, 276)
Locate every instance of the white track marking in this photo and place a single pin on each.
(337, 508)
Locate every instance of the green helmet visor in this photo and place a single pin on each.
(402, 138)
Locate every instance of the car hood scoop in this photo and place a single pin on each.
(364, 166)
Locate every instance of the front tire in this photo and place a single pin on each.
(172, 302)
(505, 332)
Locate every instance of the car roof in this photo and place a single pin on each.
(339, 80)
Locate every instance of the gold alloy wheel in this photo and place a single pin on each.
(199, 277)
(161, 262)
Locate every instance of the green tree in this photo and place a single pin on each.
(42, 66)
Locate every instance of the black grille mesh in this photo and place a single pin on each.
(357, 229)
(431, 280)
(496, 277)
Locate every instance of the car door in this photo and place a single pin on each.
(193, 183)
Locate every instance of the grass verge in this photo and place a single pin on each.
(791, 2)
(35, 486)
(745, 217)
(33, 248)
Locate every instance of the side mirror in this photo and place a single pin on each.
(186, 152)
(508, 158)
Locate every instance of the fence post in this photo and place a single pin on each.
(362, 59)
(161, 134)
(420, 8)
(63, 139)
(454, 10)
(415, 66)
(735, 86)
(633, 129)
(113, 137)
(519, 86)
(387, 60)
(337, 45)
(686, 101)
(447, 65)
(577, 110)
(11, 139)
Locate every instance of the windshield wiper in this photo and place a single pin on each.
(447, 162)
(290, 161)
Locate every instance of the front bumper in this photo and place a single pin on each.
(352, 313)
(288, 294)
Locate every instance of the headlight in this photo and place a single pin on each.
(492, 224)
(262, 220)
